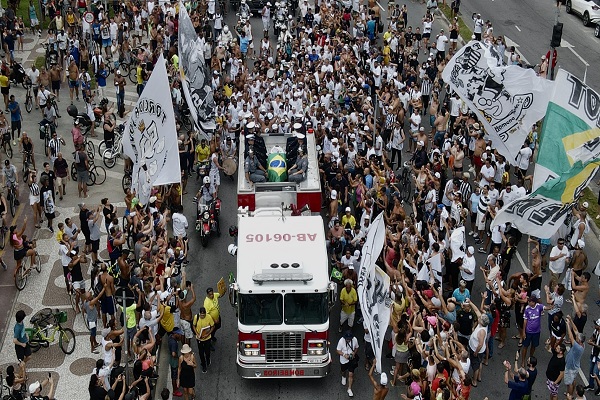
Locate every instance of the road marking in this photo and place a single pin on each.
(380, 6)
(583, 377)
(527, 270)
(519, 29)
(565, 44)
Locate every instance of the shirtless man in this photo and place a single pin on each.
(186, 315)
(422, 136)
(478, 151)
(73, 80)
(579, 258)
(108, 301)
(580, 286)
(380, 389)
(55, 74)
(440, 124)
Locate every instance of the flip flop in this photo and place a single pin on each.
(520, 344)
(518, 337)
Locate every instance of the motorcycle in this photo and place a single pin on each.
(82, 118)
(207, 219)
(202, 169)
(18, 75)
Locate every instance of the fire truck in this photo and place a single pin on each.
(282, 292)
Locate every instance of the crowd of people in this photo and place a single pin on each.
(369, 88)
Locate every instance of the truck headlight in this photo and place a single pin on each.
(317, 347)
(250, 348)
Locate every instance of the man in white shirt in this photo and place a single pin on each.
(180, 224)
(557, 261)
(523, 158)
(467, 269)
(415, 123)
(487, 173)
(440, 44)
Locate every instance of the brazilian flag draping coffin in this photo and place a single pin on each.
(277, 167)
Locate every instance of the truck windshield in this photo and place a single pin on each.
(306, 308)
(261, 309)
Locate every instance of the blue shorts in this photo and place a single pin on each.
(532, 339)
(105, 42)
(73, 84)
(108, 305)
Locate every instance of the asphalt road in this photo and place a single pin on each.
(528, 24)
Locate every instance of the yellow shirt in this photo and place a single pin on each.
(59, 236)
(3, 81)
(348, 220)
(202, 153)
(212, 306)
(349, 298)
(168, 319)
(203, 325)
(227, 91)
(138, 75)
(175, 61)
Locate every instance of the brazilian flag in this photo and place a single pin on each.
(277, 167)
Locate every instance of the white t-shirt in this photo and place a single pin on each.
(441, 42)
(415, 122)
(487, 172)
(523, 158)
(180, 224)
(346, 347)
(469, 264)
(558, 266)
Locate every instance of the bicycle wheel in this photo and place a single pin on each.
(126, 182)
(13, 205)
(73, 299)
(109, 158)
(8, 149)
(101, 148)
(2, 238)
(38, 262)
(28, 104)
(90, 149)
(66, 340)
(100, 173)
(406, 191)
(21, 276)
(73, 172)
(133, 74)
(91, 178)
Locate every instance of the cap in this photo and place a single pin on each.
(81, 205)
(250, 137)
(471, 250)
(215, 72)
(118, 72)
(488, 148)
(585, 204)
(348, 209)
(186, 349)
(356, 253)
(350, 266)
(297, 126)
(581, 244)
(334, 140)
(299, 135)
(348, 335)
(34, 386)
(367, 217)
(466, 175)
(420, 143)
(250, 125)
(440, 206)
(352, 136)
(533, 298)
(437, 175)
(105, 332)
(476, 125)
(421, 129)
(383, 380)
(152, 199)
(333, 194)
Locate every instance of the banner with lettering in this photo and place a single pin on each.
(150, 138)
(195, 76)
(374, 288)
(568, 158)
(507, 100)
(571, 129)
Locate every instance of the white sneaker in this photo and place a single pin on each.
(350, 394)
(343, 381)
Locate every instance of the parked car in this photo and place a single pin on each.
(589, 10)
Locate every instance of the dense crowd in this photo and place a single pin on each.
(369, 89)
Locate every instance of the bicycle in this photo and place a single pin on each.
(126, 181)
(6, 146)
(7, 393)
(28, 161)
(25, 269)
(109, 157)
(46, 131)
(28, 96)
(405, 182)
(76, 298)
(11, 197)
(118, 139)
(96, 173)
(44, 332)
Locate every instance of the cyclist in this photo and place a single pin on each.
(10, 177)
(26, 146)
(76, 277)
(21, 248)
(49, 116)
(4, 131)
(3, 211)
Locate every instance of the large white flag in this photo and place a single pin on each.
(374, 288)
(150, 138)
(508, 100)
(195, 76)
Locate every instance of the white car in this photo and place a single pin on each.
(588, 9)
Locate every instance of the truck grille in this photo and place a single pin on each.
(283, 347)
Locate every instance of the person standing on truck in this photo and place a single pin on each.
(348, 298)
(347, 348)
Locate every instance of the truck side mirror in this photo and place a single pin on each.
(233, 294)
(332, 290)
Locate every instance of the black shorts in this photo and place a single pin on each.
(22, 352)
(5, 90)
(349, 366)
(88, 241)
(55, 85)
(15, 125)
(95, 245)
(20, 254)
